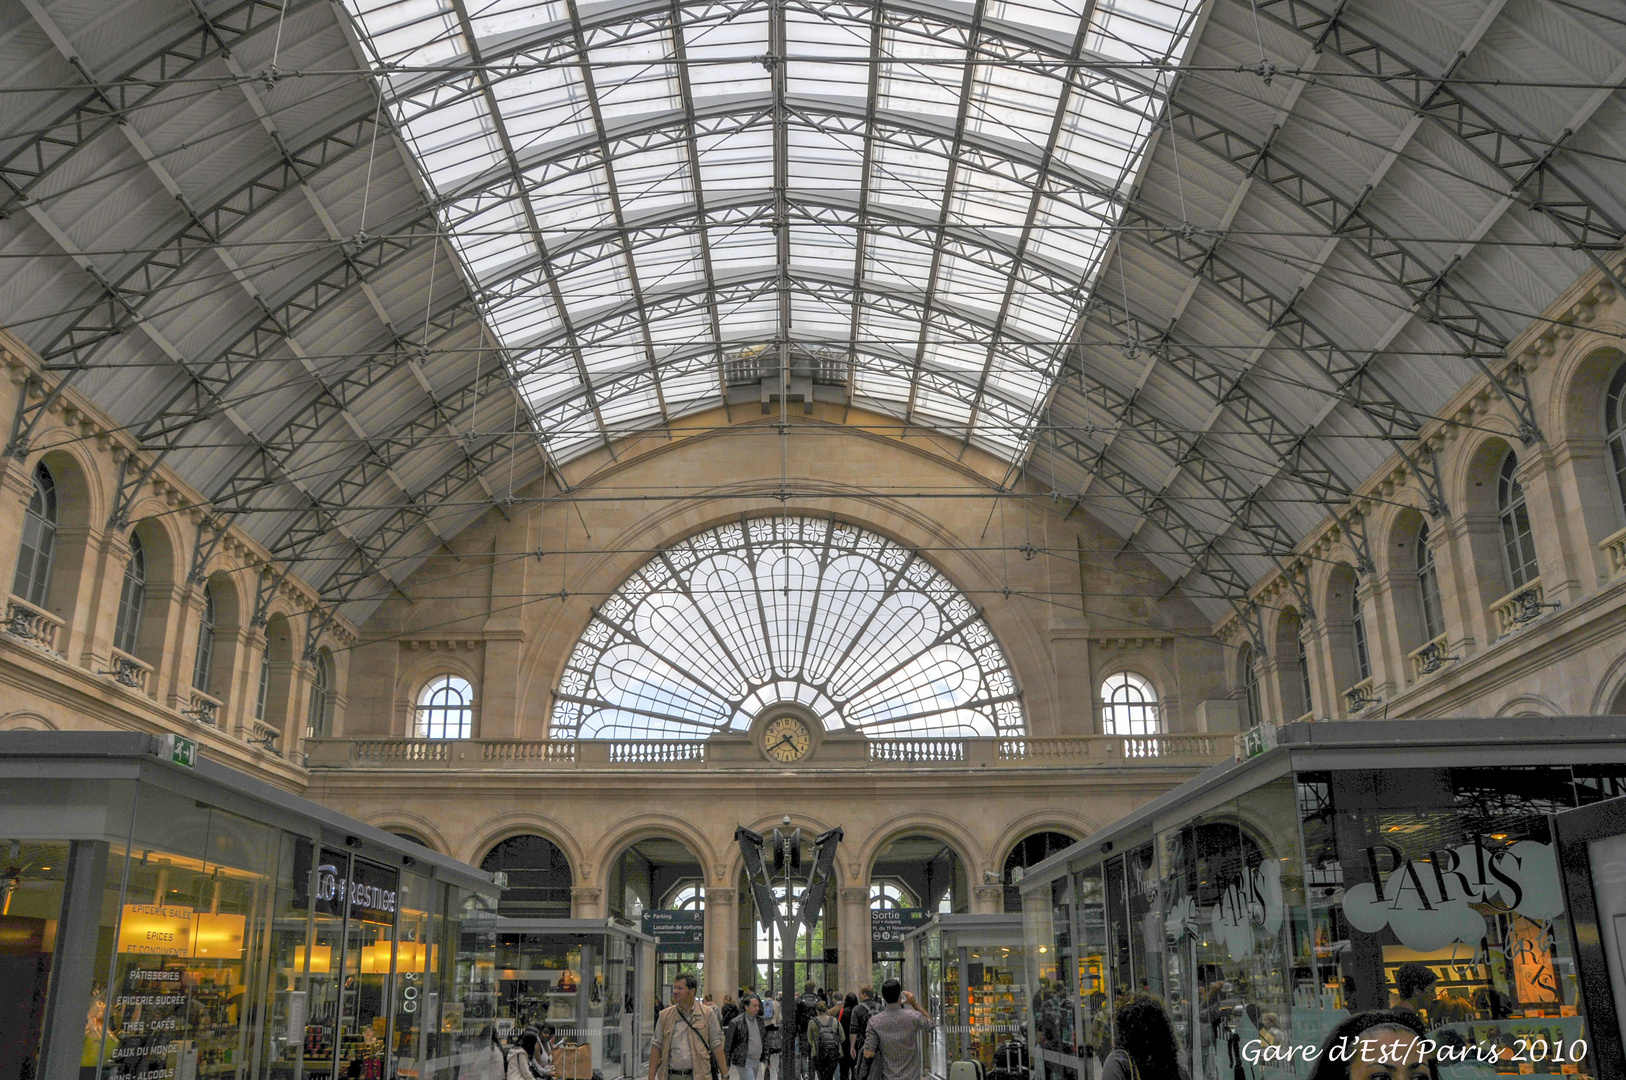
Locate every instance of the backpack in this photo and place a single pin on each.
(828, 1049)
(807, 1010)
(860, 1021)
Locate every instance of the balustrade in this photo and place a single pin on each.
(1429, 657)
(1519, 608)
(32, 624)
(1361, 696)
(129, 671)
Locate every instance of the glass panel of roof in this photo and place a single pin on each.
(637, 252)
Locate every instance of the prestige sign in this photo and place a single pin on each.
(368, 889)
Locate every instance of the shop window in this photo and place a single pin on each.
(1428, 588)
(1518, 545)
(1615, 429)
(445, 709)
(206, 642)
(264, 690)
(320, 711)
(33, 577)
(1129, 705)
(132, 595)
(1250, 688)
(1357, 625)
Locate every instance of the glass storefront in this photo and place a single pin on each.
(973, 979)
(1345, 870)
(590, 982)
(164, 922)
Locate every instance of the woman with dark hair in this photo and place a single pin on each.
(1384, 1044)
(848, 1004)
(1145, 1042)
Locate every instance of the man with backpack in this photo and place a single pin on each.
(824, 1037)
(868, 1005)
(807, 1007)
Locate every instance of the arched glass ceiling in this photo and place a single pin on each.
(718, 628)
(655, 201)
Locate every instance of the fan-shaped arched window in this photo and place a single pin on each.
(1615, 429)
(732, 621)
(446, 709)
(1518, 545)
(1250, 688)
(320, 710)
(887, 896)
(1357, 626)
(687, 898)
(206, 642)
(132, 594)
(1428, 588)
(33, 577)
(1128, 705)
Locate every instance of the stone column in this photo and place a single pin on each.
(1377, 609)
(96, 617)
(987, 899)
(1582, 480)
(504, 636)
(855, 967)
(587, 902)
(722, 974)
(1460, 604)
(16, 489)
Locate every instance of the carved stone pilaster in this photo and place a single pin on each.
(721, 896)
(859, 895)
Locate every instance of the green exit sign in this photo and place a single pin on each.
(181, 750)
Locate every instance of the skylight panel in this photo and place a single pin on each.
(920, 77)
(1015, 104)
(545, 388)
(750, 319)
(492, 18)
(736, 159)
(648, 181)
(906, 177)
(983, 199)
(723, 53)
(814, 317)
(824, 251)
(1061, 16)
(824, 160)
(571, 204)
(672, 262)
(894, 264)
(543, 106)
(831, 41)
(454, 141)
(971, 284)
(521, 321)
(413, 33)
(636, 78)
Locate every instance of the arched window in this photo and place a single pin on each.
(127, 630)
(1129, 705)
(1304, 673)
(1518, 545)
(539, 877)
(446, 709)
(733, 621)
(33, 578)
(264, 690)
(1615, 429)
(206, 642)
(1428, 588)
(321, 704)
(887, 896)
(1250, 688)
(1357, 625)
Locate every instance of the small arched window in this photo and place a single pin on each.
(1250, 688)
(1518, 545)
(886, 896)
(1129, 705)
(264, 691)
(321, 705)
(206, 642)
(1428, 588)
(133, 593)
(1357, 624)
(33, 577)
(446, 709)
(1615, 429)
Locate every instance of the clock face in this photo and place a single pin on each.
(786, 739)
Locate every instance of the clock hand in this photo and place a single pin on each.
(782, 742)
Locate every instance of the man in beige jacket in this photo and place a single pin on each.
(687, 1033)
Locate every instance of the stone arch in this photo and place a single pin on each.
(27, 721)
(400, 821)
(1477, 487)
(1291, 679)
(538, 887)
(1048, 820)
(230, 619)
(659, 826)
(962, 843)
(511, 825)
(1609, 699)
(1529, 705)
(1335, 606)
(1579, 383)
(79, 514)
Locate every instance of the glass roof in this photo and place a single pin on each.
(654, 201)
(831, 617)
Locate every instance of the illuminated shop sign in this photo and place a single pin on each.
(368, 889)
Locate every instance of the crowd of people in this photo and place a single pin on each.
(856, 1036)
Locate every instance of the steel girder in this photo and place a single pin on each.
(109, 102)
(1529, 170)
